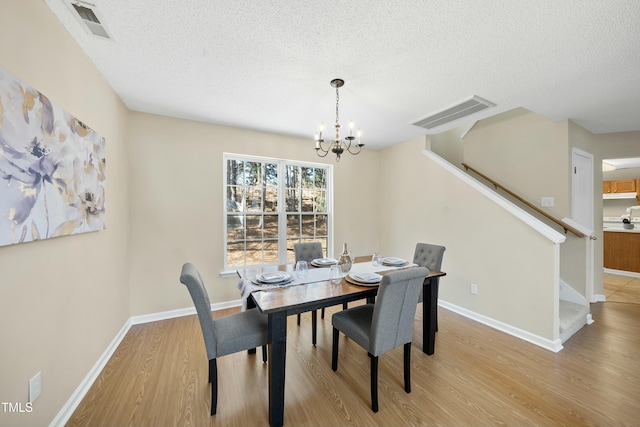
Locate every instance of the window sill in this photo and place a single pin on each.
(229, 274)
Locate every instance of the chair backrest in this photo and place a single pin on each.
(191, 278)
(428, 255)
(395, 309)
(307, 251)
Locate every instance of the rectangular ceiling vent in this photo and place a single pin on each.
(86, 13)
(458, 111)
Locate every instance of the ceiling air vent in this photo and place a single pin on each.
(458, 111)
(87, 15)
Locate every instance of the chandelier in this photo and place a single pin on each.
(339, 146)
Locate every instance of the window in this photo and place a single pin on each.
(270, 204)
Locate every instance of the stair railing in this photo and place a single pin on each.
(566, 227)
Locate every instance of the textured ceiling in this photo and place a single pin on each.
(267, 64)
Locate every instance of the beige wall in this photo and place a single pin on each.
(526, 153)
(619, 145)
(177, 196)
(62, 300)
(532, 155)
(512, 264)
(449, 145)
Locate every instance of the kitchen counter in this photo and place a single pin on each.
(622, 249)
(636, 229)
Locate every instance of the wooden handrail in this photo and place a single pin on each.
(535, 208)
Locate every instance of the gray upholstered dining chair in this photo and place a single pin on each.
(308, 251)
(225, 335)
(384, 325)
(430, 256)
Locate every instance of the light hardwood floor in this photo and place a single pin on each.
(477, 377)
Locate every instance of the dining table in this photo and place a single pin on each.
(317, 291)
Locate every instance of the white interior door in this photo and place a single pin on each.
(582, 206)
(582, 188)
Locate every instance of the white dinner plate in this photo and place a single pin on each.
(367, 277)
(394, 261)
(354, 281)
(324, 262)
(273, 277)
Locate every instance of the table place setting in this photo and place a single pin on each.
(394, 262)
(364, 279)
(324, 262)
(272, 278)
(360, 273)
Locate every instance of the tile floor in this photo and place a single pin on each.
(622, 288)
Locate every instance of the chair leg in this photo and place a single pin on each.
(213, 376)
(298, 319)
(264, 354)
(344, 306)
(407, 367)
(314, 327)
(374, 383)
(322, 314)
(334, 350)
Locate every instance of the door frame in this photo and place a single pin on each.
(585, 202)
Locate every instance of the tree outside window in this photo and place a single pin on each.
(270, 204)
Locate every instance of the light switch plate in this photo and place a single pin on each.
(35, 387)
(546, 202)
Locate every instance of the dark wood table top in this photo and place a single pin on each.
(305, 297)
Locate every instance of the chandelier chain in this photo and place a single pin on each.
(337, 103)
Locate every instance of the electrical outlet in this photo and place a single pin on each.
(547, 202)
(474, 289)
(35, 387)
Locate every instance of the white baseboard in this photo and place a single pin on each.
(554, 346)
(76, 397)
(154, 317)
(598, 298)
(622, 272)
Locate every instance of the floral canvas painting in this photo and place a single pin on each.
(52, 168)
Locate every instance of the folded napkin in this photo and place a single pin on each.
(246, 287)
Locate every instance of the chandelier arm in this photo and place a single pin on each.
(320, 148)
(357, 152)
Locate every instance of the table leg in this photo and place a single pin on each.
(251, 304)
(429, 315)
(277, 363)
(314, 326)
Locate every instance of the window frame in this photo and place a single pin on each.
(280, 212)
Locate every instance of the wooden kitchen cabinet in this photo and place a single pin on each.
(619, 186)
(622, 251)
(624, 186)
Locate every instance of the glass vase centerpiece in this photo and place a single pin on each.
(346, 259)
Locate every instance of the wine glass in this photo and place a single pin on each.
(376, 259)
(336, 274)
(302, 268)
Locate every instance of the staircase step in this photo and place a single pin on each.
(572, 318)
